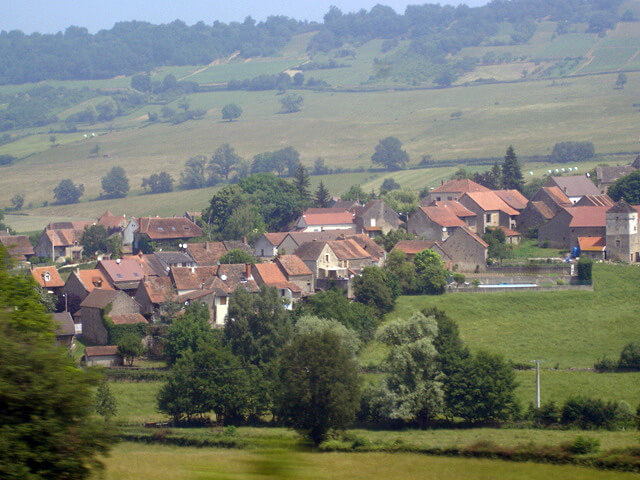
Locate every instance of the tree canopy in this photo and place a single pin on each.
(627, 188)
(389, 154)
(511, 173)
(115, 183)
(68, 192)
(231, 111)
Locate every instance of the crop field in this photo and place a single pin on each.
(609, 58)
(569, 45)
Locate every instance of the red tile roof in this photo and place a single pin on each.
(455, 206)
(513, 198)
(206, 254)
(509, 233)
(595, 200)
(100, 298)
(328, 218)
(368, 245)
(159, 289)
(588, 216)
(411, 247)
(460, 186)
(18, 246)
(92, 279)
(234, 276)
(558, 196)
(592, 244)
(292, 265)
(100, 351)
(544, 210)
(157, 228)
(120, 271)
(271, 275)
(275, 238)
(348, 250)
(47, 277)
(128, 319)
(490, 201)
(193, 278)
(443, 216)
(110, 221)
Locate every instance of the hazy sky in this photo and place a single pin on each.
(47, 16)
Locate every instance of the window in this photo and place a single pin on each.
(46, 276)
(223, 300)
(373, 222)
(160, 229)
(438, 199)
(618, 243)
(326, 258)
(488, 218)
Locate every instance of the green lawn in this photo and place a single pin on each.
(528, 248)
(135, 461)
(136, 402)
(569, 328)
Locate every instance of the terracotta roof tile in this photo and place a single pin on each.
(193, 278)
(411, 247)
(348, 250)
(18, 246)
(455, 206)
(595, 201)
(128, 319)
(592, 244)
(558, 196)
(207, 253)
(275, 238)
(100, 298)
(509, 233)
(543, 209)
(513, 198)
(159, 289)
(490, 201)
(443, 216)
(121, 271)
(234, 276)
(328, 217)
(368, 245)
(92, 279)
(292, 265)
(47, 277)
(588, 216)
(100, 351)
(112, 222)
(303, 237)
(157, 228)
(460, 186)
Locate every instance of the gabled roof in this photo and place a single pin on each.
(455, 206)
(310, 250)
(76, 225)
(18, 246)
(64, 324)
(443, 216)
(157, 228)
(411, 247)
(303, 237)
(621, 207)
(557, 196)
(275, 238)
(195, 295)
(346, 205)
(513, 198)
(509, 233)
(592, 244)
(474, 236)
(92, 279)
(100, 298)
(460, 186)
(268, 273)
(110, 221)
(63, 237)
(595, 201)
(611, 174)
(128, 319)
(543, 209)
(193, 278)
(237, 245)
(234, 276)
(588, 216)
(206, 253)
(368, 245)
(574, 185)
(490, 201)
(121, 271)
(101, 351)
(348, 250)
(172, 258)
(291, 265)
(47, 277)
(158, 289)
(328, 217)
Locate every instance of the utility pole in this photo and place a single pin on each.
(537, 362)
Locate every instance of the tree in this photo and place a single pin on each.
(52, 139)
(404, 201)
(158, 182)
(389, 240)
(309, 325)
(318, 385)
(115, 183)
(511, 174)
(298, 79)
(291, 103)
(483, 389)
(621, 80)
(564, 152)
(46, 403)
(401, 273)
(585, 267)
(372, 287)
(237, 256)
(245, 221)
(430, 273)
(413, 389)
(193, 175)
(209, 379)
(389, 154)
(319, 168)
(17, 201)
(497, 240)
(223, 161)
(67, 192)
(187, 332)
(630, 357)
(627, 188)
(106, 405)
(460, 174)
(357, 194)
(302, 181)
(130, 347)
(389, 184)
(142, 83)
(322, 197)
(231, 111)
(94, 239)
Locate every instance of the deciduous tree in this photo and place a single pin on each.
(231, 111)
(68, 192)
(115, 183)
(389, 154)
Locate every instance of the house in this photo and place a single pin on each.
(296, 272)
(593, 247)
(230, 278)
(490, 210)
(412, 247)
(267, 245)
(377, 253)
(575, 186)
(348, 205)
(513, 198)
(293, 240)
(206, 254)
(150, 264)
(112, 223)
(595, 201)
(18, 246)
(607, 176)
(563, 230)
(61, 240)
(320, 219)
(622, 237)
(350, 254)
(65, 329)
(117, 305)
(544, 205)
(103, 356)
(511, 236)
(453, 190)
(436, 222)
(152, 292)
(175, 259)
(80, 284)
(321, 260)
(166, 231)
(467, 250)
(269, 274)
(48, 278)
(376, 217)
(122, 274)
(188, 279)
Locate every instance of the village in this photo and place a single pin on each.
(165, 261)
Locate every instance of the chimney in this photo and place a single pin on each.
(247, 271)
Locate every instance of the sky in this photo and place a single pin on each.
(50, 16)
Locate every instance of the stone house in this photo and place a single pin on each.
(112, 223)
(48, 278)
(351, 255)
(61, 240)
(436, 222)
(490, 210)
(296, 272)
(375, 251)
(293, 240)
(269, 274)
(103, 356)
(65, 329)
(120, 307)
(80, 284)
(206, 254)
(544, 205)
(467, 251)
(162, 231)
(452, 190)
(122, 274)
(622, 238)
(607, 176)
(513, 198)
(152, 292)
(320, 219)
(376, 217)
(563, 230)
(575, 186)
(321, 260)
(412, 247)
(18, 246)
(267, 245)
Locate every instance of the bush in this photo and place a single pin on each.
(589, 413)
(605, 365)
(630, 357)
(585, 267)
(583, 445)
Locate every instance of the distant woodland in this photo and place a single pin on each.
(434, 32)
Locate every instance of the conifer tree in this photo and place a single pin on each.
(322, 196)
(511, 174)
(301, 182)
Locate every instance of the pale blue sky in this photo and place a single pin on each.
(47, 16)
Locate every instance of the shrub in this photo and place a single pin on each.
(605, 365)
(630, 357)
(585, 266)
(583, 445)
(589, 413)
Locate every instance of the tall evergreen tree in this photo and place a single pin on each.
(511, 174)
(322, 196)
(301, 181)
(496, 176)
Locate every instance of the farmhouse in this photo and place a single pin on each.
(61, 240)
(48, 278)
(80, 284)
(376, 217)
(438, 221)
(320, 219)
(490, 210)
(18, 246)
(575, 186)
(453, 190)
